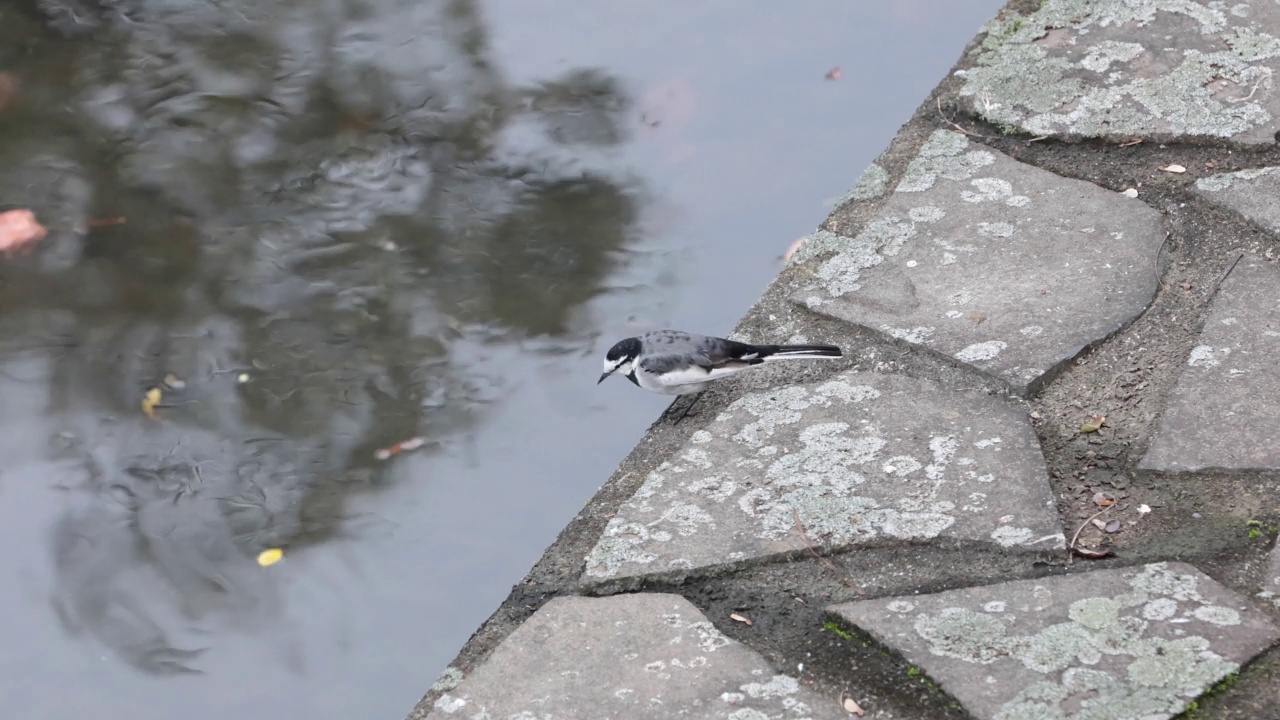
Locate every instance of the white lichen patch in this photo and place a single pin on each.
(1081, 68)
(1206, 356)
(926, 214)
(847, 461)
(987, 190)
(1218, 183)
(996, 229)
(979, 352)
(911, 335)
(945, 154)
(1101, 56)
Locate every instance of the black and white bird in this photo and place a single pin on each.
(671, 362)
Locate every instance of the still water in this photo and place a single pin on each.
(339, 224)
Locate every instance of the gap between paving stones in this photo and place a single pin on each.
(1203, 240)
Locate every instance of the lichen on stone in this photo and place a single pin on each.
(1148, 674)
(449, 679)
(978, 352)
(1029, 73)
(943, 155)
(1218, 183)
(796, 470)
(873, 183)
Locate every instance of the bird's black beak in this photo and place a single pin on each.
(602, 377)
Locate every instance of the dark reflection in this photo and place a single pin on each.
(320, 201)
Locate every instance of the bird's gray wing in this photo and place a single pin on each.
(672, 348)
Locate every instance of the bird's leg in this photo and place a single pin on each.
(688, 407)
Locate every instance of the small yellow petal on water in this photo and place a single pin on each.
(270, 556)
(149, 402)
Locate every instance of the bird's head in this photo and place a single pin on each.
(620, 358)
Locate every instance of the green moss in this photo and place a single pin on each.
(1193, 708)
(913, 671)
(1258, 528)
(839, 631)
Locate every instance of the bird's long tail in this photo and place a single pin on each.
(797, 352)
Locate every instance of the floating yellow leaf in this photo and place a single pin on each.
(150, 401)
(270, 556)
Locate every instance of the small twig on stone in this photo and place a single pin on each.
(1131, 143)
(1218, 284)
(1038, 139)
(954, 124)
(1071, 549)
(1159, 250)
(826, 561)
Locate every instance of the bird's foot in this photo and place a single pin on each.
(687, 408)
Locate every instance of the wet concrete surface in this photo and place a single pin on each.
(342, 227)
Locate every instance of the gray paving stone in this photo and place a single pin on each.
(860, 459)
(1224, 412)
(1153, 68)
(1006, 267)
(1251, 193)
(627, 656)
(1127, 643)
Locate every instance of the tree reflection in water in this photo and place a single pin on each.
(326, 197)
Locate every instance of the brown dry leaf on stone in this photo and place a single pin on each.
(851, 706)
(1102, 499)
(18, 230)
(1093, 424)
(1173, 168)
(740, 618)
(793, 248)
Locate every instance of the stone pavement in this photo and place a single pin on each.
(898, 535)
(647, 655)
(1225, 409)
